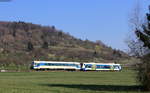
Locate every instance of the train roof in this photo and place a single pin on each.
(74, 62)
(97, 63)
(53, 62)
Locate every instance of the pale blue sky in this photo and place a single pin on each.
(105, 20)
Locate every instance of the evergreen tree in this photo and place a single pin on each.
(30, 46)
(14, 28)
(45, 45)
(143, 35)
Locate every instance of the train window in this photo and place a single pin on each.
(62, 64)
(57, 64)
(65, 64)
(76, 65)
(32, 63)
(68, 64)
(107, 67)
(46, 64)
(103, 66)
(116, 67)
(51, 64)
(71, 64)
(88, 66)
(98, 66)
(36, 64)
(41, 64)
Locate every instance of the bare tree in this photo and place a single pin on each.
(136, 21)
(140, 46)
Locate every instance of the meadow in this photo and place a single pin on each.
(69, 82)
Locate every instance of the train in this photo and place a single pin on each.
(84, 66)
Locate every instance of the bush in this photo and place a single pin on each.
(30, 46)
(45, 45)
(143, 34)
(144, 72)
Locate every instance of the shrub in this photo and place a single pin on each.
(144, 72)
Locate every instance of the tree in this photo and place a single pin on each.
(143, 34)
(45, 45)
(136, 48)
(135, 22)
(97, 48)
(53, 27)
(14, 28)
(30, 46)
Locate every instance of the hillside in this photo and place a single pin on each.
(21, 43)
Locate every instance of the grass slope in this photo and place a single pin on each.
(28, 42)
(68, 82)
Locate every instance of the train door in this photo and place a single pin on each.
(81, 66)
(94, 67)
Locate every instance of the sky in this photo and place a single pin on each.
(105, 20)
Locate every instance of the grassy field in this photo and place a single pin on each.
(69, 82)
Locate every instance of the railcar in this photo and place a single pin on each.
(55, 65)
(101, 66)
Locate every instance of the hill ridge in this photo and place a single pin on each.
(28, 42)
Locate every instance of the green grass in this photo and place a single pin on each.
(69, 82)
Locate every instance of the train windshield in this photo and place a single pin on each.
(36, 64)
(117, 67)
(88, 66)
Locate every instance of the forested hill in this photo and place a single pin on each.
(21, 43)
